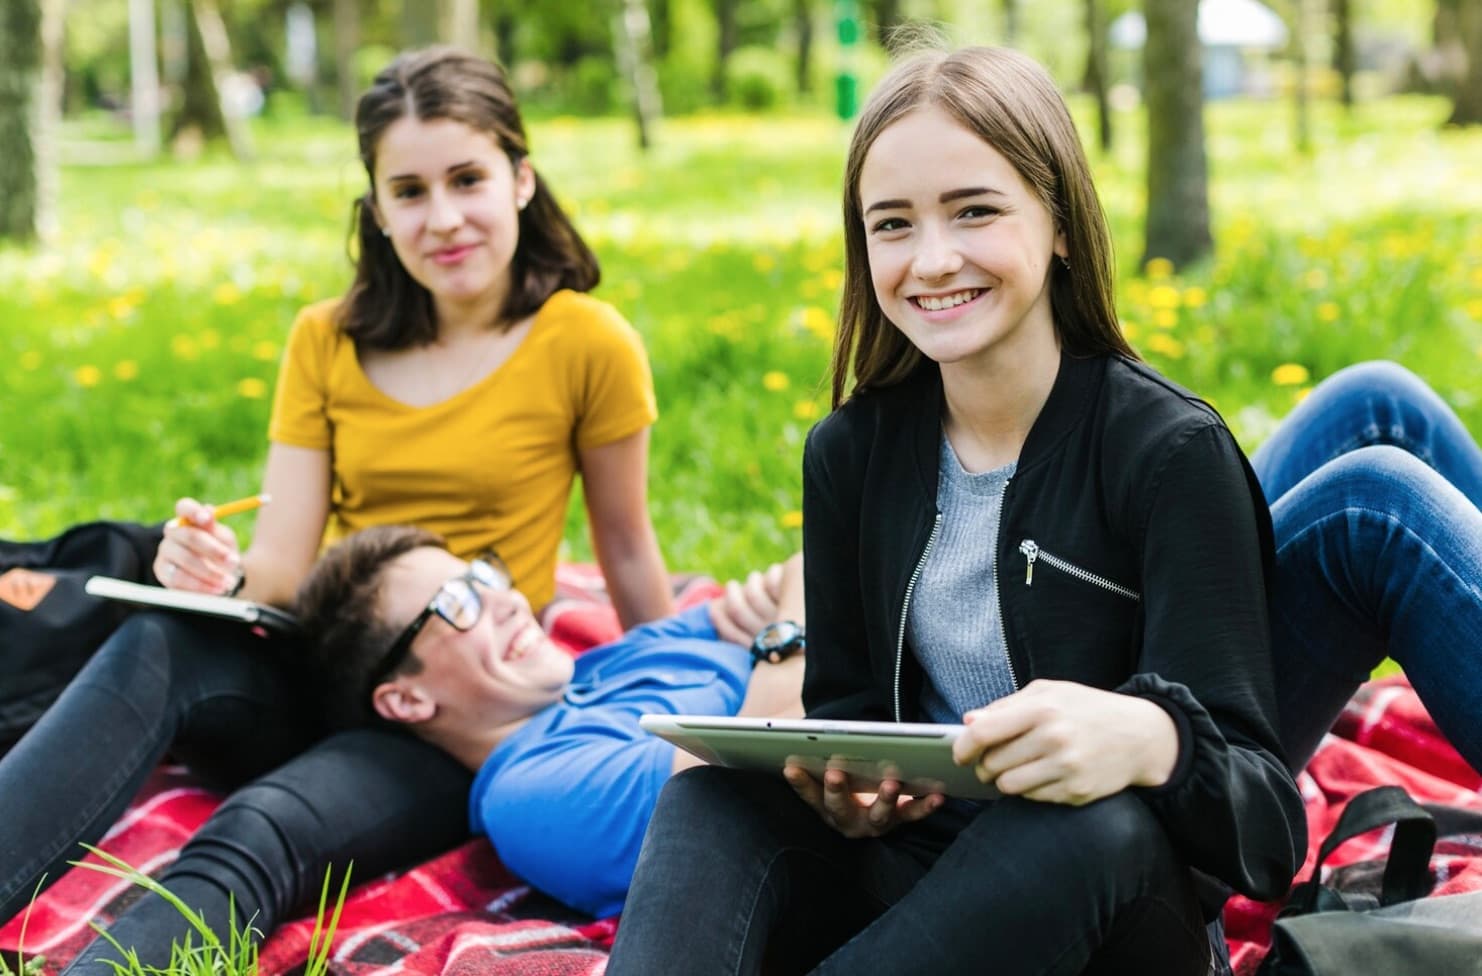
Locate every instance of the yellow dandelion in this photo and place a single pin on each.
(792, 520)
(818, 322)
(1165, 345)
(100, 263)
(265, 351)
(805, 410)
(1328, 311)
(1195, 297)
(226, 293)
(1315, 278)
(88, 376)
(1165, 318)
(1477, 276)
(1158, 269)
(252, 388)
(763, 262)
(125, 369)
(1474, 309)
(775, 380)
(30, 360)
(1131, 330)
(185, 347)
(1163, 296)
(1300, 395)
(833, 279)
(1137, 291)
(1290, 374)
(120, 307)
(210, 339)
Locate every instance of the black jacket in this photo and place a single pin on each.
(1133, 549)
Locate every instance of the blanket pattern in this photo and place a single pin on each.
(463, 913)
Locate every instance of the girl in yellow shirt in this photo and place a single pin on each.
(459, 385)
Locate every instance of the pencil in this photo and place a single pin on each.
(235, 507)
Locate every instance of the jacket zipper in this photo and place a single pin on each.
(1033, 552)
(900, 640)
(1003, 626)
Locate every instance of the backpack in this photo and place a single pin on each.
(1348, 927)
(48, 626)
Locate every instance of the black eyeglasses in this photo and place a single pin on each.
(457, 601)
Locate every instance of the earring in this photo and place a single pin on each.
(1065, 261)
(385, 231)
(522, 203)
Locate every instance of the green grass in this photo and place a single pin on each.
(139, 354)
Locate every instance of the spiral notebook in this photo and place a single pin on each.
(260, 617)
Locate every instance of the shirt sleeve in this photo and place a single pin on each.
(571, 821)
(616, 395)
(300, 415)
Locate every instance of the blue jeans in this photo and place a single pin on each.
(1375, 486)
(738, 875)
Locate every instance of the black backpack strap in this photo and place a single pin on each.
(1407, 870)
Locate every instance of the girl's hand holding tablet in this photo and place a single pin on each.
(856, 814)
(1064, 742)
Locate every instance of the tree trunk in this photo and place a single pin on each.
(802, 19)
(1301, 102)
(49, 119)
(1343, 54)
(219, 55)
(20, 82)
(632, 38)
(1466, 103)
(144, 78)
(726, 38)
(200, 104)
(887, 19)
(460, 24)
(346, 43)
(1178, 191)
(1010, 22)
(419, 23)
(1096, 72)
(504, 34)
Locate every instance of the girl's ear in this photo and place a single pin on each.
(400, 700)
(524, 182)
(1062, 250)
(375, 212)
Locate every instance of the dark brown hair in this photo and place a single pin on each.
(1010, 101)
(386, 308)
(344, 637)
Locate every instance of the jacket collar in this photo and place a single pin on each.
(1076, 385)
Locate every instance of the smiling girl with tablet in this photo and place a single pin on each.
(1012, 522)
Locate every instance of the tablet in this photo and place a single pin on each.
(916, 754)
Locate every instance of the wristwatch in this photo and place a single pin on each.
(777, 642)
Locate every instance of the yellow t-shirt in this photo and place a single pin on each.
(488, 468)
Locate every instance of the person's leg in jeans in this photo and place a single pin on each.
(210, 688)
(736, 871)
(1377, 554)
(380, 798)
(1364, 406)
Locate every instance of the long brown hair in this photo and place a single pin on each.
(385, 307)
(1011, 102)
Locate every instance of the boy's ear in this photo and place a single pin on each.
(400, 700)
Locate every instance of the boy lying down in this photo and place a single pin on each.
(400, 631)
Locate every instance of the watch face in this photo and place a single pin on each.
(777, 635)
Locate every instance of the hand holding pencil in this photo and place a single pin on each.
(198, 552)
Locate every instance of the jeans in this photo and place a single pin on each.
(378, 797)
(737, 875)
(216, 696)
(1374, 485)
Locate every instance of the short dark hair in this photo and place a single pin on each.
(344, 637)
(385, 307)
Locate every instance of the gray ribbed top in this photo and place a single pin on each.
(953, 624)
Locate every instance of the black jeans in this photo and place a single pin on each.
(737, 875)
(216, 696)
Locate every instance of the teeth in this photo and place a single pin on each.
(521, 645)
(934, 304)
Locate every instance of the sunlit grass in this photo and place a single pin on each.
(139, 353)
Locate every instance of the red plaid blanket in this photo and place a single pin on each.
(463, 913)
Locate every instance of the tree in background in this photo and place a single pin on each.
(1095, 80)
(346, 43)
(1344, 58)
(20, 70)
(726, 41)
(1177, 170)
(802, 19)
(1466, 22)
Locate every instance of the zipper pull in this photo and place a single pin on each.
(1031, 553)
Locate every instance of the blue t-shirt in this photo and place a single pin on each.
(566, 799)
